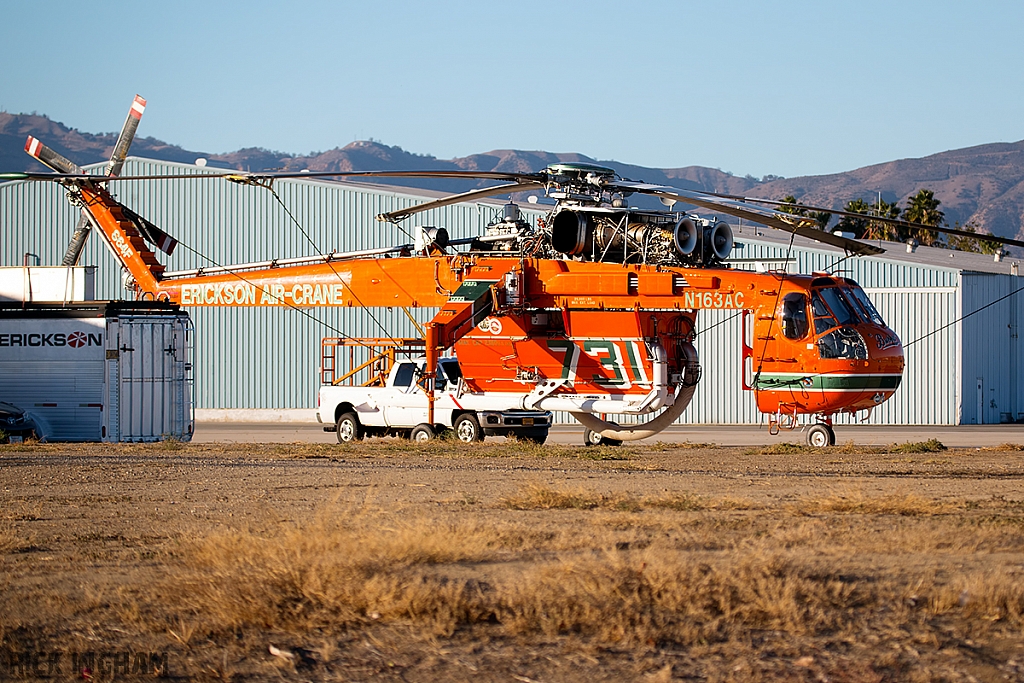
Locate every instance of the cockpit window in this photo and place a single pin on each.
(794, 316)
(823, 320)
(869, 311)
(844, 343)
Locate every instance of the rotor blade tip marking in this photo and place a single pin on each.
(138, 106)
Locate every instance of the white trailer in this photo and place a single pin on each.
(101, 370)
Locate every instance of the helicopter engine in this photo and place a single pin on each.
(606, 235)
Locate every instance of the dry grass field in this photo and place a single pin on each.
(508, 562)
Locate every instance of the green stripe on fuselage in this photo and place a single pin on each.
(776, 382)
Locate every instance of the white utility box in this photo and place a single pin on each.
(48, 283)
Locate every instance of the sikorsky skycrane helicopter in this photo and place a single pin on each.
(593, 311)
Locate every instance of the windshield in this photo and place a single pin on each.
(867, 309)
(831, 309)
(451, 369)
(447, 371)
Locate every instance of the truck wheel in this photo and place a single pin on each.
(349, 429)
(592, 438)
(421, 433)
(467, 428)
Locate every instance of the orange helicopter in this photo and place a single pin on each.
(592, 311)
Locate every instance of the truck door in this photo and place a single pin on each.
(405, 405)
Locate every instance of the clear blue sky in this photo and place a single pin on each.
(787, 88)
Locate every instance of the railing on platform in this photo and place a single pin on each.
(369, 360)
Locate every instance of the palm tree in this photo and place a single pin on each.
(923, 208)
(880, 230)
(791, 206)
(823, 218)
(976, 245)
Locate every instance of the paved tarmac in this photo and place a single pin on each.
(723, 435)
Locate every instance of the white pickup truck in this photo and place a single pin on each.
(400, 407)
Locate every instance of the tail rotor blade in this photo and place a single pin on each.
(37, 150)
(124, 140)
(74, 251)
(55, 161)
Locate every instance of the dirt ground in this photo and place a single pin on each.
(389, 561)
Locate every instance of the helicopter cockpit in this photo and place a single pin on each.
(840, 312)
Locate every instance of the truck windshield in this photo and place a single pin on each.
(451, 369)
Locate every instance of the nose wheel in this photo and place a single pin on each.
(821, 435)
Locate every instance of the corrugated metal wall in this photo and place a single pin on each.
(992, 357)
(268, 358)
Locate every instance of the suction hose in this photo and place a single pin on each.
(610, 430)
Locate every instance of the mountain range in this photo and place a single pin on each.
(982, 185)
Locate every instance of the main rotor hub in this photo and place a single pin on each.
(568, 173)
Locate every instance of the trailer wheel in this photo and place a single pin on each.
(592, 438)
(349, 429)
(467, 428)
(421, 433)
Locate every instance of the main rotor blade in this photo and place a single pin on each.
(48, 177)
(124, 140)
(898, 222)
(799, 225)
(37, 150)
(402, 214)
(243, 177)
(470, 175)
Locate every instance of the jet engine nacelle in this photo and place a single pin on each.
(717, 242)
(684, 236)
(639, 237)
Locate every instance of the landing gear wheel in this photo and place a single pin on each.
(349, 429)
(467, 428)
(422, 433)
(821, 435)
(592, 438)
